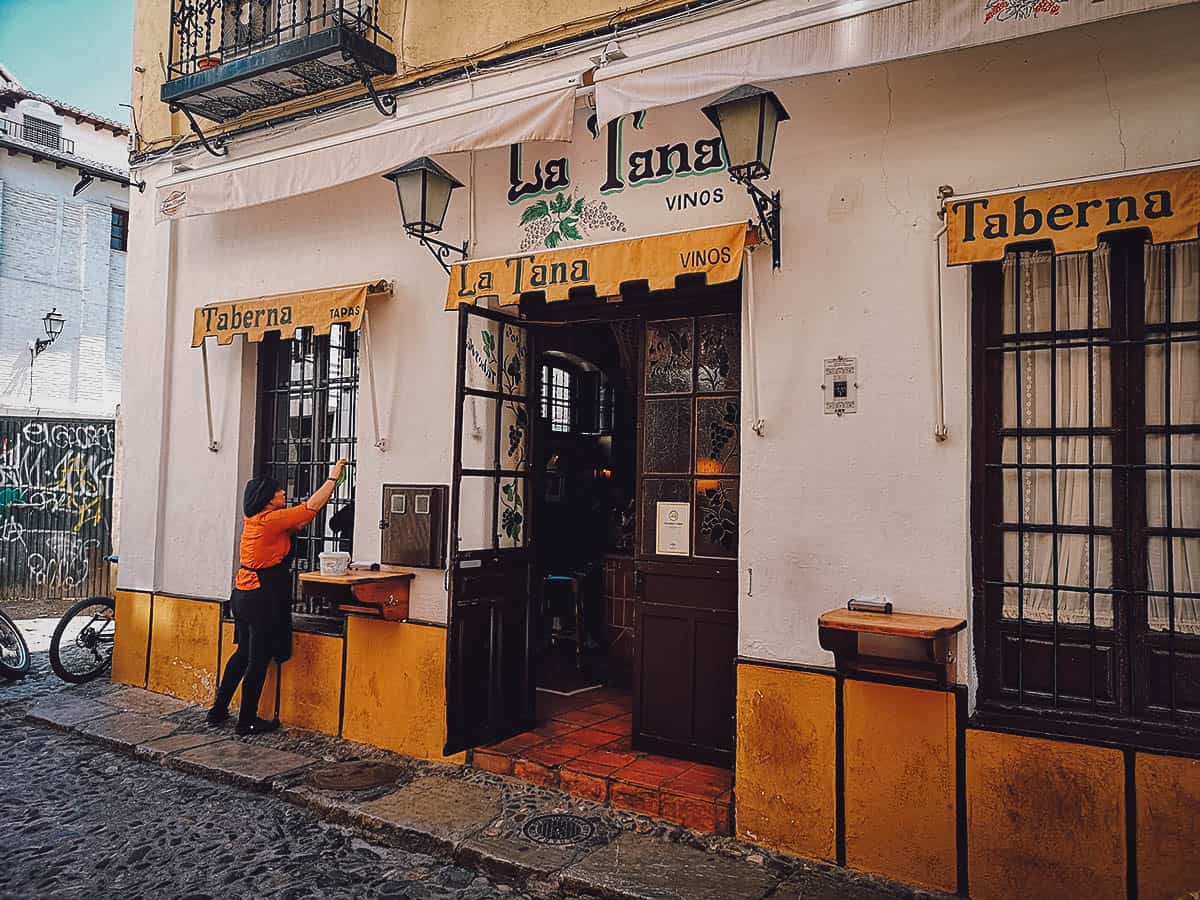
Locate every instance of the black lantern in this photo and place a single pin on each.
(424, 189)
(748, 118)
(53, 323)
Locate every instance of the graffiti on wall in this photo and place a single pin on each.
(56, 490)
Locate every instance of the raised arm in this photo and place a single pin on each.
(322, 494)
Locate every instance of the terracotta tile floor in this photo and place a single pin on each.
(582, 746)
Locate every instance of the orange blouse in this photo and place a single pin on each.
(266, 538)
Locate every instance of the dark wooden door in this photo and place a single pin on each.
(489, 677)
(686, 580)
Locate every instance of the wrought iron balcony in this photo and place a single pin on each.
(37, 132)
(230, 57)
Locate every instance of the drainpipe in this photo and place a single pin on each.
(940, 432)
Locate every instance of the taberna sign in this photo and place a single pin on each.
(1165, 202)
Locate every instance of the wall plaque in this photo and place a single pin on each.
(672, 528)
(841, 385)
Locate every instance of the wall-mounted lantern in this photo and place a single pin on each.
(424, 190)
(747, 118)
(52, 322)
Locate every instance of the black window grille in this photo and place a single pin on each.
(308, 401)
(39, 131)
(119, 232)
(1086, 486)
(557, 408)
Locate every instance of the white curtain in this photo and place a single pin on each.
(1068, 393)
(1173, 282)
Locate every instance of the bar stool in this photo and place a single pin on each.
(572, 583)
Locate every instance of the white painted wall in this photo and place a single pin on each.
(831, 507)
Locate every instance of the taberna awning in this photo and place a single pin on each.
(659, 259)
(1072, 215)
(543, 111)
(725, 52)
(318, 309)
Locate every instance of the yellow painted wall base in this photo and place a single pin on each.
(310, 683)
(1044, 818)
(396, 687)
(183, 648)
(131, 643)
(900, 795)
(786, 758)
(1168, 826)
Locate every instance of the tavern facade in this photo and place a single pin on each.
(624, 472)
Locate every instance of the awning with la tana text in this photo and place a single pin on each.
(319, 310)
(1073, 215)
(715, 253)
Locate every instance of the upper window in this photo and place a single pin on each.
(119, 232)
(39, 131)
(1087, 483)
(557, 408)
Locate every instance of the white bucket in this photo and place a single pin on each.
(334, 562)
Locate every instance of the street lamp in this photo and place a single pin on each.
(748, 118)
(424, 189)
(52, 322)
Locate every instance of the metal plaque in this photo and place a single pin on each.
(841, 385)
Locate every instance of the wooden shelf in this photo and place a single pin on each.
(839, 631)
(384, 591)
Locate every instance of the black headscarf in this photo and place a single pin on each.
(259, 492)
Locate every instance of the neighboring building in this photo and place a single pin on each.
(64, 238)
(969, 385)
(64, 232)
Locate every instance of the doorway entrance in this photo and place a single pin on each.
(609, 435)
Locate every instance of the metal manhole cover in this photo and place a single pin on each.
(356, 775)
(558, 828)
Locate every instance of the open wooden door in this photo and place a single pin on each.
(489, 676)
(685, 565)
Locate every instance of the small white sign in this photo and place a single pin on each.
(841, 385)
(399, 504)
(673, 525)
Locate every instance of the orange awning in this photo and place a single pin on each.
(715, 253)
(254, 317)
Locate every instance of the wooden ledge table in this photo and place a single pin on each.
(839, 630)
(382, 593)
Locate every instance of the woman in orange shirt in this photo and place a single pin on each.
(262, 594)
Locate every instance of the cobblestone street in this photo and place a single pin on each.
(81, 821)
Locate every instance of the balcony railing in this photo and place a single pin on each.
(229, 57)
(37, 134)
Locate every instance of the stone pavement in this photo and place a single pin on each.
(465, 819)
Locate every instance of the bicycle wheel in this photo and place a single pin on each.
(82, 645)
(14, 652)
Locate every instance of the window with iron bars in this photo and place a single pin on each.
(1086, 489)
(557, 406)
(308, 401)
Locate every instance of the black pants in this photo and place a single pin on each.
(248, 665)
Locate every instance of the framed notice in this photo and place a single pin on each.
(841, 386)
(672, 528)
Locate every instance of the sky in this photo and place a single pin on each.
(76, 51)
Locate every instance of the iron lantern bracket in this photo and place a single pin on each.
(769, 208)
(41, 344)
(215, 146)
(441, 251)
(385, 103)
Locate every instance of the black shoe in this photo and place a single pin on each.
(258, 726)
(216, 716)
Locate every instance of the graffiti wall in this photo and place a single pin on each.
(56, 502)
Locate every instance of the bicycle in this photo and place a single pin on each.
(82, 645)
(14, 652)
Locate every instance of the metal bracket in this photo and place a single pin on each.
(769, 210)
(386, 104)
(441, 251)
(215, 147)
(213, 444)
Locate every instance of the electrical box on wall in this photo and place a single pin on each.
(414, 525)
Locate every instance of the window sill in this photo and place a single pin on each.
(1141, 737)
